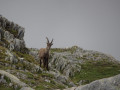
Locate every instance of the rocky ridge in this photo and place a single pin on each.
(11, 34)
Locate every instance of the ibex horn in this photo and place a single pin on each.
(47, 40)
(52, 41)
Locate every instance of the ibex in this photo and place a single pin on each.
(44, 54)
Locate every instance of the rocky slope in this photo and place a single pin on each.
(112, 83)
(69, 67)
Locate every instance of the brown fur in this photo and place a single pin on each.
(44, 54)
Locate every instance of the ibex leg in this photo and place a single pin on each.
(47, 64)
(44, 62)
(40, 62)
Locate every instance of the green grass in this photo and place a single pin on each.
(46, 75)
(7, 79)
(29, 74)
(94, 70)
(26, 57)
(3, 87)
(4, 43)
(14, 32)
(38, 81)
(2, 56)
(48, 86)
(2, 52)
(43, 85)
(64, 57)
(4, 68)
(71, 49)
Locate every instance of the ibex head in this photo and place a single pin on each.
(49, 44)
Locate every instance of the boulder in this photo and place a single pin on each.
(8, 36)
(21, 32)
(112, 83)
(18, 44)
(12, 78)
(11, 57)
(26, 88)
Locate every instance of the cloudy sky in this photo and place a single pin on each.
(89, 24)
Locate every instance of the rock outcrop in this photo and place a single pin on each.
(112, 83)
(11, 34)
(64, 64)
(5, 76)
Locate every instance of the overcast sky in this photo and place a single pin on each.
(89, 24)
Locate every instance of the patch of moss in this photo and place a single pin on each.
(14, 32)
(94, 70)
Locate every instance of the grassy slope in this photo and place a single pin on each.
(36, 79)
(91, 70)
(94, 70)
(2, 87)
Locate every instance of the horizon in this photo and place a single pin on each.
(89, 24)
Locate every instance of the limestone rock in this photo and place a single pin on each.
(21, 32)
(8, 36)
(26, 88)
(12, 78)
(18, 44)
(34, 53)
(1, 32)
(12, 34)
(63, 62)
(11, 57)
(112, 83)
